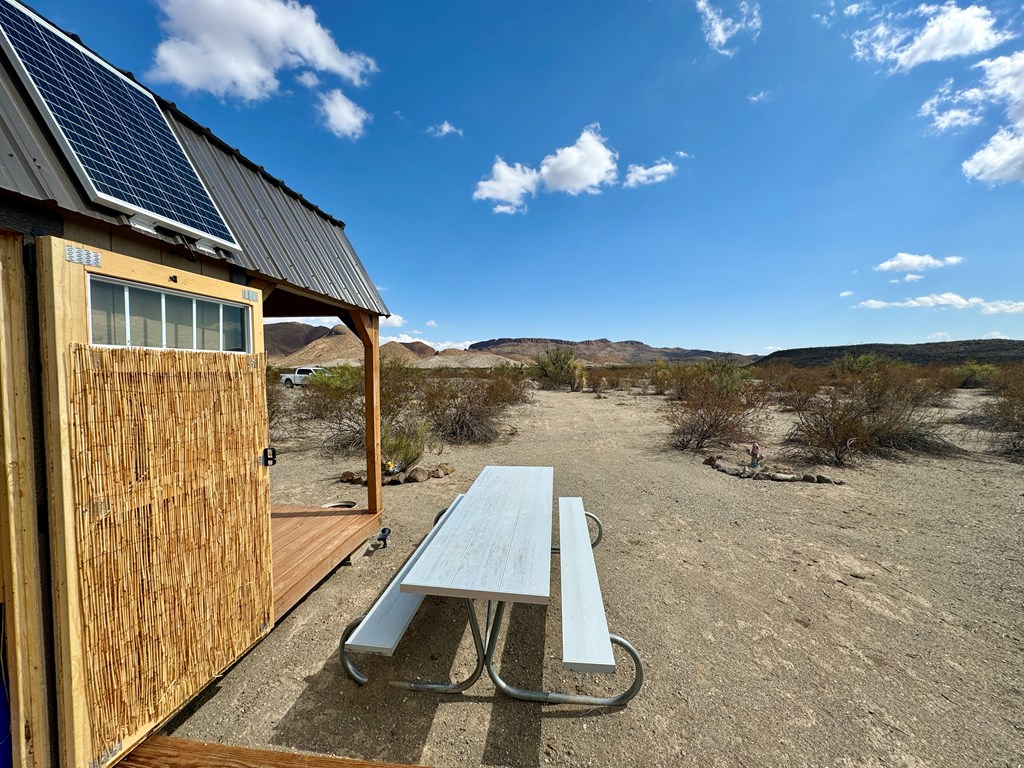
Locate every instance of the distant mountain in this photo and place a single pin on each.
(604, 352)
(281, 339)
(936, 352)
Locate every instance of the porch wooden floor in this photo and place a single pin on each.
(170, 752)
(310, 542)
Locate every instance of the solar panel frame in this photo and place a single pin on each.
(132, 165)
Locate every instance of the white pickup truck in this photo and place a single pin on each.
(297, 378)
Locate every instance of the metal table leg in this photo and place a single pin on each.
(553, 697)
(416, 685)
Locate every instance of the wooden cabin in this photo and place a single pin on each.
(140, 554)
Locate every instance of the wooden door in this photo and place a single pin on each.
(159, 502)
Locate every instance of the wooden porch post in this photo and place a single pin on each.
(368, 328)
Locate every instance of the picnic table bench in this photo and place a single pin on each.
(494, 543)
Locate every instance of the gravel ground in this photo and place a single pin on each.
(876, 623)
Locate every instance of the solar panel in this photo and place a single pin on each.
(112, 131)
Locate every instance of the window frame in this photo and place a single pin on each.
(247, 315)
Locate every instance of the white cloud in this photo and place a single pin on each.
(910, 277)
(660, 171)
(507, 186)
(308, 79)
(939, 336)
(995, 335)
(720, 29)
(584, 167)
(950, 300)
(395, 321)
(443, 129)
(855, 9)
(343, 117)
(949, 32)
(771, 349)
(237, 47)
(909, 262)
(1000, 160)
(405, 338)
(894, 281)
(844, 294)
(683, 155)
(760, 96)
(949, 109)
(431, 323)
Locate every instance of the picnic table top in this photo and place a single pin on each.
(496, 545)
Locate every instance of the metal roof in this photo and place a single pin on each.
(283, 236)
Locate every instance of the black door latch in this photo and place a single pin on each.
(269, 456)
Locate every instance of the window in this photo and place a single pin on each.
(129, 315)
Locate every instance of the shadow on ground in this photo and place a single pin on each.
(379, 722)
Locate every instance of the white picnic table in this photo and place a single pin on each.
(494, 543)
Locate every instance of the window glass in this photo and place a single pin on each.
(146, 318)
(159, 320)
(107, 308)
(234, 329)
(179, 322)
(207, 325)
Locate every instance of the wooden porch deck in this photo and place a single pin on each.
(170, 752)
(310, 542)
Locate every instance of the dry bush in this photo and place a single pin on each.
(793, 387)
(333, 403)
(1004, 415)
(881, 408)
(461, 410)
(508, 384)
(278, 406)
(717, 403)
(830, 428)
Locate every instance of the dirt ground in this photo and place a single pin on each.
(876, 623)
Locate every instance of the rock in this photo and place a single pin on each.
(809, 479)
(824, 480)
(348, 477)
(782, 477)
(731, 471)
(711, 461)
(436, 472)
(417, 475)
(446, 468)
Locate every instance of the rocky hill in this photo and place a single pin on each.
(937, 352)
(604, 352)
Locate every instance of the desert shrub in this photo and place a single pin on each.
(715, 405)
(974, 375)
(461, 411)
(559, 368)
(508, 384)
(333, 403)
(855, 365)
(1004, 414)
(278, 405)
(658, 377)
(880, 408)
(830, 428)
(401, 445)
(792, 387)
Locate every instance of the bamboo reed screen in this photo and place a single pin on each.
(172, 524)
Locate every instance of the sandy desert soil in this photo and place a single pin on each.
(877, 623)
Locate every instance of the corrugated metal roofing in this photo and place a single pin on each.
(283, 236)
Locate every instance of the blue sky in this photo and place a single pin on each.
(714, 174)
